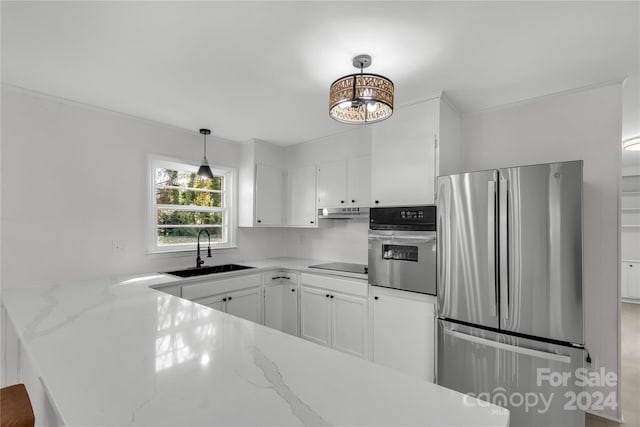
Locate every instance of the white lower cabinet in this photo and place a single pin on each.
(403, 332)
(630, 276)
(244, 303)
(334, 319)
(281, 302)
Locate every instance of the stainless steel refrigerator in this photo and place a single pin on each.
(510, 289)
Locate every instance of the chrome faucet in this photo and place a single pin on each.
(200, 261)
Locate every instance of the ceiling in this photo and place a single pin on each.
(263, 69)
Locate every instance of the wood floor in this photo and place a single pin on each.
(630, 377)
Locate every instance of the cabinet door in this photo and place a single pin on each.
(404, 334)
(290, 309)
(314, 313)
(348, 332)
(245, 304)
(269, 188)
(216, 302)
(332, 184)
(403, 156)
(301, 196)
(273, 306)
(633, 279)
(359, 181)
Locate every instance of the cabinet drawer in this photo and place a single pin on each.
(274, 276)
(349, 286)
(213, 287)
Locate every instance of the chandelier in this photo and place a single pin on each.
(361, 97)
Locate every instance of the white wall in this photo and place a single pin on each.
(74, 179)
(575, 126)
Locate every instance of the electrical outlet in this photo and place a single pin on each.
(119, 247)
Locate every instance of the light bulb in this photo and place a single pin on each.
(345, 104)
(372, 106)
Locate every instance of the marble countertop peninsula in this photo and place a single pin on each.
(115, 352)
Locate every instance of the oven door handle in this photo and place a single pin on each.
(400, 239)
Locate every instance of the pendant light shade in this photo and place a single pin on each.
(204, 170)
(362, 97)
(632, 144)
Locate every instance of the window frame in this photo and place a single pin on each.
(229, 204)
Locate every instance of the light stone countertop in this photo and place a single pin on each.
(116, 352)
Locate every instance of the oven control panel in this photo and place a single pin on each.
(403, 218)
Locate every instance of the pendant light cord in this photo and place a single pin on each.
(205, 145)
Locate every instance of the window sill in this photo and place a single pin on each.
(188, 252)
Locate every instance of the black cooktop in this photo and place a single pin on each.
(342, 266)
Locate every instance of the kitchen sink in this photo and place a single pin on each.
(212, 269)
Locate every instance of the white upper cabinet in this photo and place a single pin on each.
(359, 181)
(345, 183)
(268, 205)
(261, 185)
(301, 197)
(410, 149)
(332, 184)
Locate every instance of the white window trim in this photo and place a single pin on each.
(231, 176)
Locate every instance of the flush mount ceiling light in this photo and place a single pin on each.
(361, 97)
(632, 144)
(204, 170)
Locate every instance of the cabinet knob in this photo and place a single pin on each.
(311, 222)
(293, 290)
(375, 298)
(259, 221)
(229, 298)
(353, 201)
(224, 299)
(331, 296)
(327, 295)
(376, 202)
(341, 201)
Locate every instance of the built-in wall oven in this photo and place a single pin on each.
(402, 248)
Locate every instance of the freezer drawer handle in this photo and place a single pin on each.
(513, 348)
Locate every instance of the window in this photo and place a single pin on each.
(183, 204)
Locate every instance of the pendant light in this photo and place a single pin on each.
(361, 97)
(204, 170)
(632, 144)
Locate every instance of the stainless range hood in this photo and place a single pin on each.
(343, 213)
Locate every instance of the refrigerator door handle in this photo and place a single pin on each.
(508, 347)
(504, 247)
(491, 238)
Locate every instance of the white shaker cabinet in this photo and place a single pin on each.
(345, 183)
(269, 185)
(281, 302)
(260, 185)
(301, 197)
(630, 276)
(332, 184)
(403, 332)
(315, 320)
(410, 149)
(331, 315)
(243, 303)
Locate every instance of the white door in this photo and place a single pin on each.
(633, 279)
(403, 156)
(301, 196)
(349, 316)
(273, 306)
(332, 184)
(404, 334)
(359, 181)
(245, 304)
(215, 301)
(269, 189)
(290, 309)
(314, 312)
